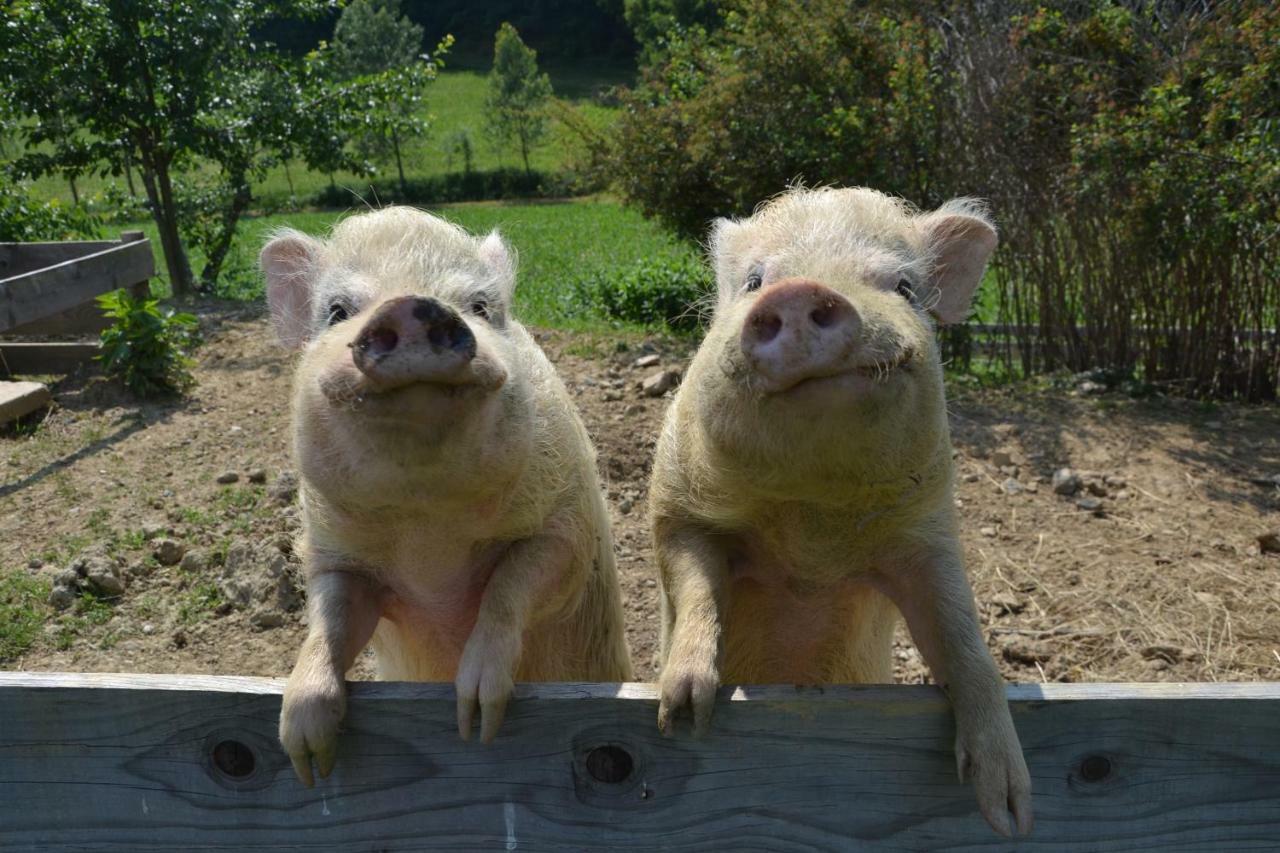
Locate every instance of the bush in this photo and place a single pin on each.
(666, 290)
(23, 219)
(486, 185)
(146, 347)
(1136, 184)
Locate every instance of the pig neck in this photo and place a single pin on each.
(722, 477)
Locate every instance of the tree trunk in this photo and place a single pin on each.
(128, 172)
(75, 193)
(395, 145)
(288, 176)
(217, 254)
(524, 153)
(155, 177)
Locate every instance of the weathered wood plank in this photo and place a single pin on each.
(108, 762)
(41, 293)
(19, 258)
(21, 398)
(26, 359)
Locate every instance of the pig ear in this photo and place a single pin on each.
(501, 261)
(960, 238)
(289, 262)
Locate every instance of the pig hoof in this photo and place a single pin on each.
(993, 761)
(309, 721)
(484, 681)
(681, 686)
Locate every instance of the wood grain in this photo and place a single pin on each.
(40, 293)
(125, 762)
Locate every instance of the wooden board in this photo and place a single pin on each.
(131, 763)
(42, 293)
(19, 258)
(26, 359)
(21, 398)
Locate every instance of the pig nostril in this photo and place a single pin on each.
(766, 327)
(825, 315)
(380, 341)
(438, 335)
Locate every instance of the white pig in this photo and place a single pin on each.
(802, 488)
(451, 503)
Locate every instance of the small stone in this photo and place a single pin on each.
(266, 619)
(167, 551)
(61, 597)
(971, 477)
(1115, 481)
(650, 360)
(650, 583)
(1269, 543)
(285, 488)
(194, 560)
(258, 476)
(1004, 459)
(660, 383)
(180, 638)
(148, 628)
(1011, 487)
(69, 578)
(226, 478)
(612, 395)
(153, 528)
(625, 506)
(1213, 424)
(103, 579)
(1093, 505)
(987, 531)
(35, 564)
(1017, 649)
(1006, 603)
(1088, 388)
(1065, 482)
(1096, 488)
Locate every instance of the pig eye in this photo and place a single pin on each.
(480, 307)
(904, 290)
(337, 313)
(754, 280)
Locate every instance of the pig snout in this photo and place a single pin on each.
(414, 339)
(799, 329)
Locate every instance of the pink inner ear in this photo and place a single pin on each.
(961, 246)
(289, 264)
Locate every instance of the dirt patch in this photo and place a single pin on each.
(1151, 570)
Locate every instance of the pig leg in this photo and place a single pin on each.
(935, 598)
(695, 579)
(344, 610)
(528, 576)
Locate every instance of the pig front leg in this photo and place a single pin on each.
(344, 610)
(528, 581)
(695, 577)
(936, 600)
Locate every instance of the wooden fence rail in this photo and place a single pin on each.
(143, 763)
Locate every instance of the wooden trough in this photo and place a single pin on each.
(48, 289)
(162, 762)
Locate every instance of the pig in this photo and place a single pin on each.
(801, 493)
(451, 505)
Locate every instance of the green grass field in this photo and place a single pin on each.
(454, 102)
(558, 243)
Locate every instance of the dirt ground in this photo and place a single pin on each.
(1163, 580)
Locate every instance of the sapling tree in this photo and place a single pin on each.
(516, 105)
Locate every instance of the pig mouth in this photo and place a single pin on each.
(859, 378)
(355, 391)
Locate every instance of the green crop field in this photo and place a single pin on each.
(558, 244)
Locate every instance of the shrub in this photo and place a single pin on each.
(481, 185)
(23, 219)
(146, 347)
(666, 291)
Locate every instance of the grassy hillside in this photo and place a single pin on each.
(454, 102)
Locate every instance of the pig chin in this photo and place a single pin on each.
(406, 396)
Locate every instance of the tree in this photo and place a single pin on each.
(167, 85)
(372, 36)
(518, 94)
